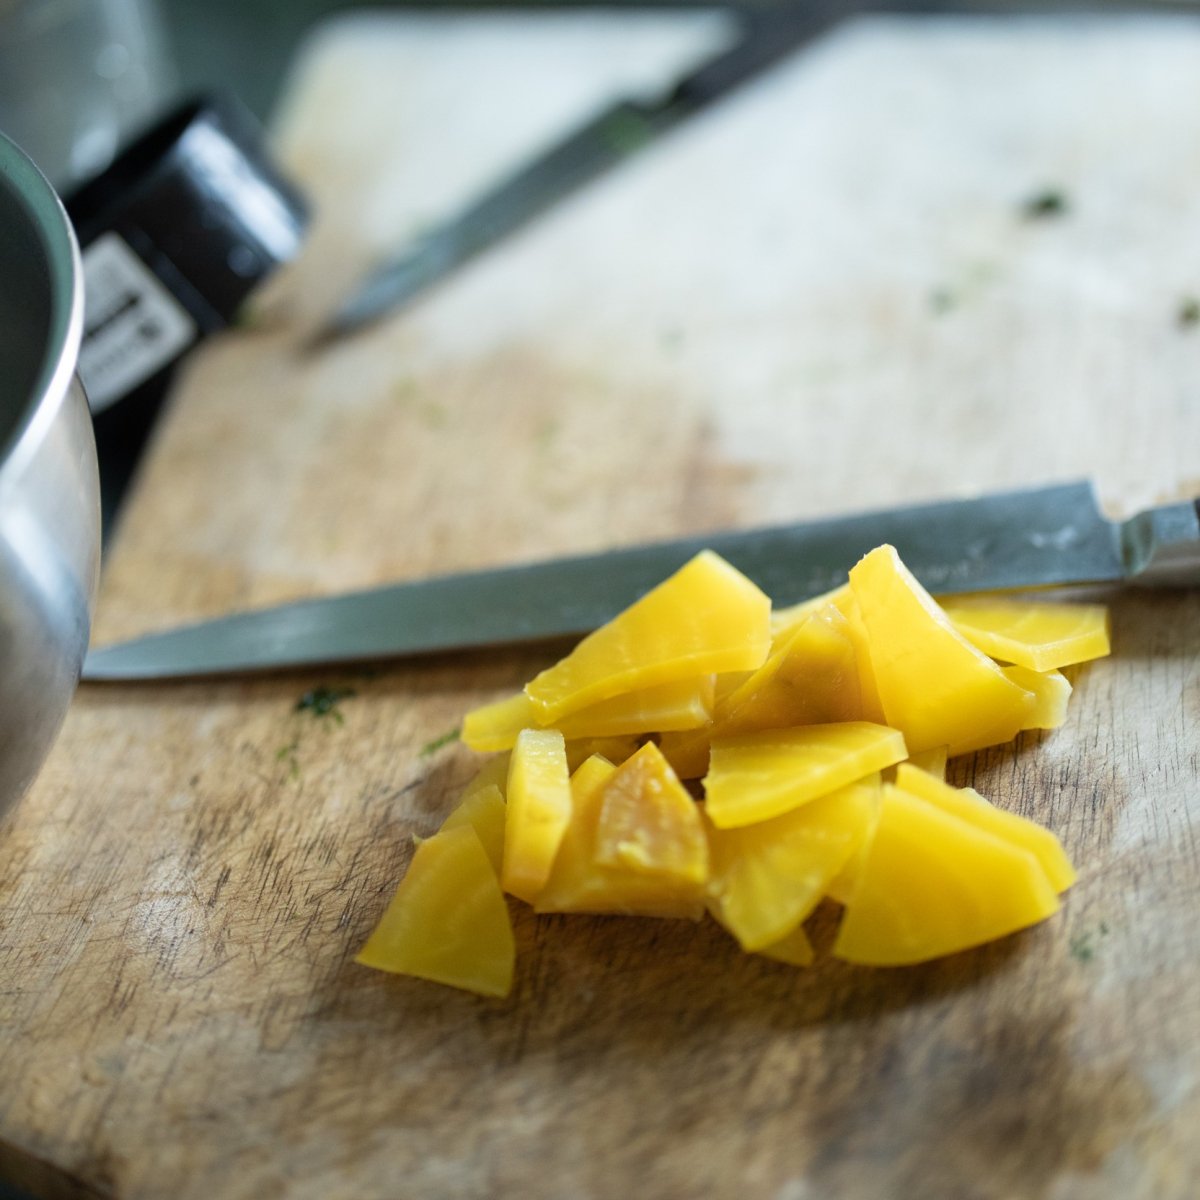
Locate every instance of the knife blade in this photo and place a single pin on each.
(1055, 535)
(608, 138)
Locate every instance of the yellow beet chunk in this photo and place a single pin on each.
(704, 619)
(766, 878)
(686, 752)
(579, 884)
(785, 619)
(809, 678)
(483, 810)
(933, 884)
(932, 761)
(684, 704)
(648, 823)
(448, 921)
(755, 776)
(793, 948)
(1050, 691)
(615, 749)
(495, 726)
(872, 705)
(494, 772)
(970, 806)
(539, 807)
(1039, 636)
(935, 686)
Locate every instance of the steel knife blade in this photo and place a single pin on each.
(587, 152)
(1054, 535)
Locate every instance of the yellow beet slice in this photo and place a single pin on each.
(495, 726)
(685, 704)
(932, 761)
(793, 948)
(935, 686)
(448, 921)
(784, 619)
(579, 884)
(809, 678)
(648, 823)
(539, 807)
(872, 705)
(973, 808)
(493, 772)
(1044, 707)
(615, 749)
(1050, 691)
(766, 878)
(706, 618)
(933, 884)
(483, 809)
(755, 776)
(1039, 636)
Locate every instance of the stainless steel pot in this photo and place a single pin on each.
(49, 499)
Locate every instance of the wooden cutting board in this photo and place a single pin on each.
(822, 296)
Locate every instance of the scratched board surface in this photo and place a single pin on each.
(827, 294)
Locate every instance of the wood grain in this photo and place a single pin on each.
(822, 296)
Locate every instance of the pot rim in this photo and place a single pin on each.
(51, 226)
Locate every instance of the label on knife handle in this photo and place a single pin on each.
(133, 326)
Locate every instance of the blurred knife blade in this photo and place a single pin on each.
(604, 141)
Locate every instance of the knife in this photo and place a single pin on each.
(607, 139)
(1045, 536)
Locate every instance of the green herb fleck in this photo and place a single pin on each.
(625, 131)
(1083, 945)
(434, 415)
(1049, 202)
(451, 735)
(288, 754)
(324, 701)
(942, 300)
(1189, 312)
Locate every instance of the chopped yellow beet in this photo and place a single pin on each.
(686, 752)
(872, 705)
(494, 771)
(766, 878)
(578, 883)
(810, 678)
(793, 720)
(483, 810)
(784, 619)
(448, 920)
(615, 749)
(934, 685)
(933, 884)
(704, 619)
(1039, 636)
(539, 807)
(755, 776)
(793, 948)
(973, 808)
(649, 823)
(684, 704)
(933, 761)
(1050, 691)
(495, 726)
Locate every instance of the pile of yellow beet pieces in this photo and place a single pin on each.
(700, 753)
